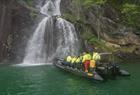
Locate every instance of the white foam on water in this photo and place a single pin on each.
(31, 64)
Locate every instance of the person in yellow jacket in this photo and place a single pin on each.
(68, 60)
(86, 61)
(78, 62)
(96, 56)
(73, 61)
(81, 63)
(93, 61)
(92, 66)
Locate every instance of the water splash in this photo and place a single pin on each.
(35, 51)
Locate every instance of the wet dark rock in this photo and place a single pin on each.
(15, 23)
(105, 21)
(17, 18)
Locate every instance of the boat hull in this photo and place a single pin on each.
(94, 76)
(101, 72)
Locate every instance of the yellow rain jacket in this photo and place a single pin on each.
(81, 57)
(73, 60)
(68, 59)
(86, 57)
(78, 60)
(96, 56)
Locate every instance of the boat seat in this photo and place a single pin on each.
(101, 68)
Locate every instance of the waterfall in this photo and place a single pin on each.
(68, 41)
(51, 8)
(51, 38)
(35, 51)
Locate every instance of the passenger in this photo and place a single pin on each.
(96, 56)
(78, 62)
(81, 58)
(73, 61)
(64, 61)
(86, 61)
(81, 63)
(92, 66)
(68, 60)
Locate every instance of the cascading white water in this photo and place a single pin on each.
(51, 8)
(35, 51)
(68, 41)
(47, 42)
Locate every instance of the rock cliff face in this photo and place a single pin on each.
(15, 22)
(103, 22)
(5, 26)
(17, 18)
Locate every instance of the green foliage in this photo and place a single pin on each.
(129, 11)
(90, 3)
(88, 35)
(33, 14)
(93, 40)
(29, 2)
(70, 17)
(127, 8)
(31, 6)
(74, 19)
(128, 49)
(131, 14)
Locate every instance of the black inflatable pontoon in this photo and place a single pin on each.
(102, 71)
(75, 71)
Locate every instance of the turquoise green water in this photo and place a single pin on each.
(48, 80)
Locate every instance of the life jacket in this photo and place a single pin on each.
(92, 64)
(81, 58)
(96, 56)
(86, 57)
(73, 60)
(78, 60)
(68, 59)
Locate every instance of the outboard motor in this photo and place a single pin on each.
(113, 70)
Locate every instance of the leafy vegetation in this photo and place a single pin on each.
(131, 14)
(31, 6)
(129, 11)
(29, 2)
(90, 3)
(93, 40)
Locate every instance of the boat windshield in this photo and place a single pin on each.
(107, 57)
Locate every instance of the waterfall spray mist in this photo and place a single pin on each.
(47, 42)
